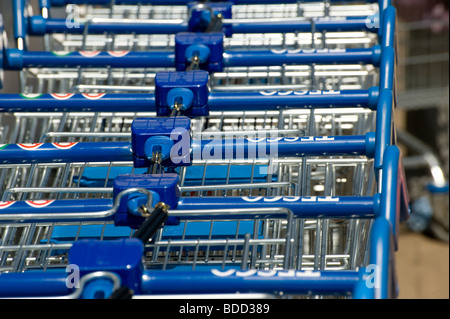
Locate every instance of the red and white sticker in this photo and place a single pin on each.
(6, 204)
(89, 54)
(39, 203)
(93, 96)
(118, 54)
(62, 97)
(64, 146)
(30, 147)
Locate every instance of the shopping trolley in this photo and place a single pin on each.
(268, 241)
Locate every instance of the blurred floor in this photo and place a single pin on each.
(422, 267)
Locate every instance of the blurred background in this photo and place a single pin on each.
(422, 119)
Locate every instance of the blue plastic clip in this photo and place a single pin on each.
(202, 15)
(190, 89)
(207, 46)
(169, 136)
(164, 188)
(122, 257)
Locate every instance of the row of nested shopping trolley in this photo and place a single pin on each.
(170, 148)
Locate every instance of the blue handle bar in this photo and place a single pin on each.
(325, 56)
(42, 284)
(229, 101)
(17, 60)
(77, 103)
(302, 207)
(201, 149)
(178, 2)
(40, 26)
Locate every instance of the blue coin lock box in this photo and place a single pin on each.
(207, 46)
(170, 136)
(164, 185)
(200, 15)
(190, 87)
(122, 257)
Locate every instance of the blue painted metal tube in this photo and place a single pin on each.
(33, 284)
(38, 25)
(318, 24)
(25, 211)
(19, 21)
(383, 126)
(380, 257)
(77, 103)
(201, 149)
(265, 147)
(17, 60)
(64, 152)
(41, 284)
(391, 189)
(387, 69)
(301, 207)
(268, 58)
(273, 100)
(57, 3)
(388, 31)
(182, 282)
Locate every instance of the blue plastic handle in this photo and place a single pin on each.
(203, 281)
(65, 152)
(77, 103)
(201, 149)
(325, 56)
(38, 25)
(182, 2)
(17, 60)
(229, 281)
(276, 100)
(226, 101)
(302, 207)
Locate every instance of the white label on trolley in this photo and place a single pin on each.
(291, 139)
(30, 147)
(93, 96)
(261, 273)
(6, 204)
(290, 199)
(89, 54)
(39, 203)
(64, 146)
(309, 51)
(62, 97)
(301, 93)
(118, 54)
